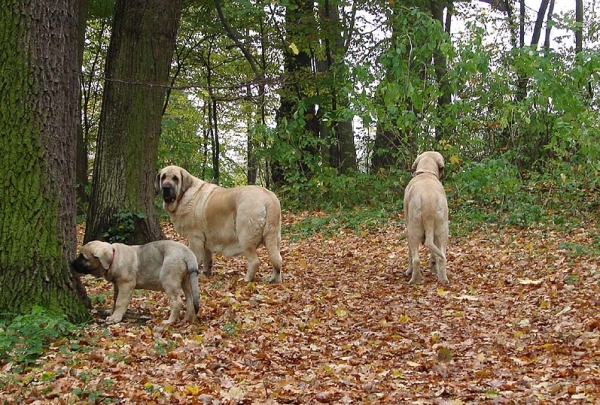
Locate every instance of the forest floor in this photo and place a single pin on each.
(519, 324)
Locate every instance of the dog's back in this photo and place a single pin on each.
(426, 215)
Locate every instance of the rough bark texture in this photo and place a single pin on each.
(38, 126)
(81, 152)
(137, 72)
(297, 69)
(339, 151)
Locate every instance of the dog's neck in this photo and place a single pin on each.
(415, 174)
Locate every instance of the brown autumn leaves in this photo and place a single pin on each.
(519, 323)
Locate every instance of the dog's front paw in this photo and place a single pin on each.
(113, 319)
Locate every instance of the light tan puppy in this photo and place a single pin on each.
(426, 215)
(164, 265)
(229, 221)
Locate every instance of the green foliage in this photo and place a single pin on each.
(491, 183)
(329, 190)
(362, 220)
(125, 225)
(24, 338)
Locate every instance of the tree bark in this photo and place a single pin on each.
(297, 66)
(137, 73)
(81, 153)
(38, 127)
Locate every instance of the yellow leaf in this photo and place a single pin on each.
(199, 338)
(294, 49)
(454, 159)
(191, 390)
(169, 388)
(444, 355)
(403, 319)
(341, 312)
(544, 304)
(441, 291)
(397, 373)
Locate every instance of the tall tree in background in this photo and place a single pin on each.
(137, 72)
(296, 144)
(38, 125)
(413, 74)
(338, 149)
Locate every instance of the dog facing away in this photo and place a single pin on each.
(229, 221)
(165, 265)
(426, 215)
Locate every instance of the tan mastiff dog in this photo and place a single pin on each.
(229, 221)
(165, 265)
(426, 215)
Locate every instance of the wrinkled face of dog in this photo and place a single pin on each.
(91, 265)
(94, 258)
(168, 183)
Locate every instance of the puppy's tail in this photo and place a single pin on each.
(192, 266)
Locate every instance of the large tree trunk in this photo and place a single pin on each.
(339, 150)
(38, 123)
(297, 65)
(137, 72)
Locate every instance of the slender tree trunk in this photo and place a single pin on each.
(38, 131)
(579, 30)
(442, 131)
(137, 72)
(81, 166)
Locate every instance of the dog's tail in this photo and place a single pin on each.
(429, 232)
(192, 265)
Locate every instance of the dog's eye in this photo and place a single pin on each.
(176, 179)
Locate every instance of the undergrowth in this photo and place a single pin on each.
(26, 337)
(491, 193)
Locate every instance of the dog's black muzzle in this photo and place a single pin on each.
(80, 265)
(168, 193)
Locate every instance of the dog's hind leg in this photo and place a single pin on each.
(253, 263)
(190, 309)
(414, 263)
(173, 292)
(272, 245)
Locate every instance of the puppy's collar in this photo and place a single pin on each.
(415, 174)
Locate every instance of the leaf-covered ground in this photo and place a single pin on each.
(519, 324)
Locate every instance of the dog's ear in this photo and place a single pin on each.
(157, 183)
(104, 255)
(439, 159)
(187, 180)
(416, 163)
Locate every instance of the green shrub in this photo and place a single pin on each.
(25, 337)
(124, 227)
